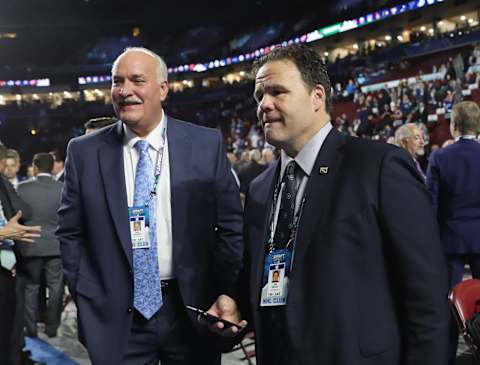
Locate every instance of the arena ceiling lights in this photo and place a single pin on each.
(313, 36)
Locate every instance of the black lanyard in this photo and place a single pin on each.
(279, 188)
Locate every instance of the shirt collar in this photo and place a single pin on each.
(154, 139)
(308, 154)
(466, 136)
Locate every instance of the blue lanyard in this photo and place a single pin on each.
(158, 164)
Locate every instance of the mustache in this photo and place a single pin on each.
(129, 99)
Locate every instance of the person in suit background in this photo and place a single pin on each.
(12, 209)
(12, 167)
(453, 178)
(410, 137)
(349, 225)
(251, 170)
(131, 289)
(58, 171)
(42, 194)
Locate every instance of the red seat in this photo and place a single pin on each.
(465, 301)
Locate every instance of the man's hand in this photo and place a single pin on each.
(226, 308)
(18, 232)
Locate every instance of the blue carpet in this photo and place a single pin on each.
(44, 352)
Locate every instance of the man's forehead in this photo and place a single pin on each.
(275, 70)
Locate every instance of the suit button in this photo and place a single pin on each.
(130, 310)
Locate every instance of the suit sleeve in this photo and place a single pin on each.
(18, 203)
(70, 231)
(415, 260)
(229, 226)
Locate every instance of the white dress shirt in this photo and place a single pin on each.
(164, 211)
(305, 160)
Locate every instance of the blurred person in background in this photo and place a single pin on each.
(410, 137)
(453, 178)
(12, 166)
(58, 164)
(12, 209)
(42, 194)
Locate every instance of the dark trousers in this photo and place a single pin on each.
(7, 313)
(34, 268)
(276, 344)
(168, 337)
(456, 269)
(17, 340)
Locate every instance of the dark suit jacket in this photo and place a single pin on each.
(249, 172)
(94, 230)
(453, 178)
(43, 195)
(368, 283)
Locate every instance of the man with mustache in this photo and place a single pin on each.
(174, 179)
(349, 226)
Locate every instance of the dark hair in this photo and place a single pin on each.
(97, 123)
(58, 155)
(43, 162)
(466, 116)
(309, 64)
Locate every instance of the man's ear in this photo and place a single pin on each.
(319, 98)
(164, 90)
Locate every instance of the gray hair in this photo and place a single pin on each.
(405, 131)
(162, 71)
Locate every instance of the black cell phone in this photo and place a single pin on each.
(211, 318)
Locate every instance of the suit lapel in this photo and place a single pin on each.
(110, 157)
(263, 197)
(179, 153)
(319, 192)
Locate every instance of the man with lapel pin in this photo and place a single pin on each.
(349, 227)
(150, 221)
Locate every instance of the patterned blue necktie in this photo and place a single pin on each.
(147, 288)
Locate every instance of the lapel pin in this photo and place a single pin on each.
(323, 170)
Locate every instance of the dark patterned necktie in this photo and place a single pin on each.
(286, 214)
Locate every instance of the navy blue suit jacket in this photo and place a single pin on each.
(94, 230)
(368, 283)
(453, 178)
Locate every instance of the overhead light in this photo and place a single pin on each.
(388, 37)
(355, 46)
(431, 31)
(325, 54)
(423, 28)
(399, 38)
(470, 21)
(33, 131)
(440, 22)
(462, 18)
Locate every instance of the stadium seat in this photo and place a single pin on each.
(465, 302)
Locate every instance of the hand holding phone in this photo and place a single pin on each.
(210, 318)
